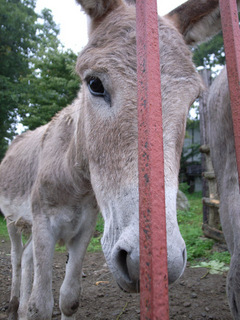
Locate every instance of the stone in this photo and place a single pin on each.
(187, 304)
(182, 201)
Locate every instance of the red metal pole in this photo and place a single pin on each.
(153, 249)
(231, 37)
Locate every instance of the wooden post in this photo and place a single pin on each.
(211, 219)
(153, 248)
(206, 76)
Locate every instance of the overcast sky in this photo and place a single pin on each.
(72, 21)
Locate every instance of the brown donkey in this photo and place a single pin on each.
(54, 180)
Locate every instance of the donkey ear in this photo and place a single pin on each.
(97, 9)
(197, 20)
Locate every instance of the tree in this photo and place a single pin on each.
(17, 36)
(52, 83)
(37, 76)
(211, 53)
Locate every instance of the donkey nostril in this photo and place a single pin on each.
(122, 263)
(184, 254)
(127, 269)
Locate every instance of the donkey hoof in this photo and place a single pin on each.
(13, 309)
(36, 313)
(70, 309)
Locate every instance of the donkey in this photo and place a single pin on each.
(221, 140)
(54, 180)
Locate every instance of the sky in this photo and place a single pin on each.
(73, 23)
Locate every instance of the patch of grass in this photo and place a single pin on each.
(100, 224)
(60, 248)
(95, 243)
(190, 225)
(221, 256)
(184, 187)
(3, 228)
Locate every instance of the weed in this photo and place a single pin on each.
(214, 266)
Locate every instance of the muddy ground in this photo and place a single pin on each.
(197, 295)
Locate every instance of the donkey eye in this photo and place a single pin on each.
(96, 87)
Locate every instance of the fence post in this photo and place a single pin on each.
(231, 37)
(153, 249)
(204, 132)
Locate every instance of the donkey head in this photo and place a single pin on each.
(108, 118)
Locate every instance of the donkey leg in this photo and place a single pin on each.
(41, 300)
(230, 220)
(233, 285)
(16, 254)
(71, 288)
(26, 283)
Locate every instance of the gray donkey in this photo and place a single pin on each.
(54, 180)
(223, 156)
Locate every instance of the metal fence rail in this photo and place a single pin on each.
(231, 37)
(153, 248)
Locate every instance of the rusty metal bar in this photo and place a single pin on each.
(231, 37)
(153, 248)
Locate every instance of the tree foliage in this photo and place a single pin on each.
(211, 53)
(52, 83)
(37, 76)
(17, 36)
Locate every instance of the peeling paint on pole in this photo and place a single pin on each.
(153, 247)
(231, 37)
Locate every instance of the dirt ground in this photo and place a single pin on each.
(197, 295)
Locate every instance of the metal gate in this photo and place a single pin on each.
(153, 249)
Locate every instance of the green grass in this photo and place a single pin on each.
(3, 229)
(95, 243)
(199, 248)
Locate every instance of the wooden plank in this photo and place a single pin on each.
(211, 202)
(205, 148)
(213, 233)
(209, 175)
